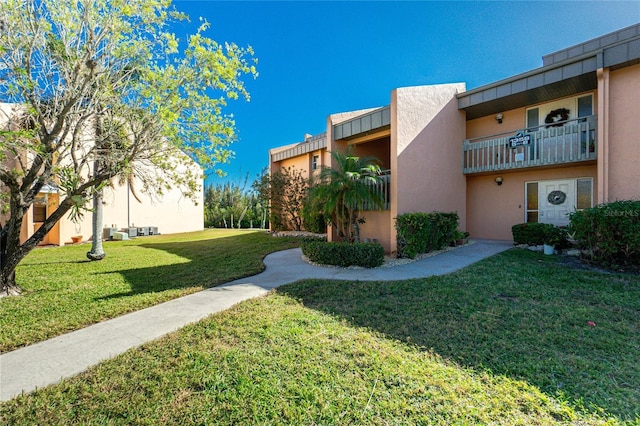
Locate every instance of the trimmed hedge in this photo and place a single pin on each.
(609, 233)
(344, 254)
(532, 233)
(425, 232)
(535, 234)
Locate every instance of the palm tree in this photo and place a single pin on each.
(346, 189)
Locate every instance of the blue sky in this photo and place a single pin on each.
(319, 58)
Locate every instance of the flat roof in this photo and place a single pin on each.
(367, 122)
(313, 143)
(564, 73)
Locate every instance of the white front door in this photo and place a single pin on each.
(556, 199)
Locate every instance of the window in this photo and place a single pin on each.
(585, 106)
(532, 201)
(314, 162)
(39, 212)
(587, 135)
(532, 119)
(585, 194)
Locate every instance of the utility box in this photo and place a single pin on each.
(108, 233)
(153, 230)
(118, 236)
(132, 232)
(143, 231)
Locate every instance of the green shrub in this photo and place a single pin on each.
(313, 238)
(425, 232)
(535, 234)
(529, 233)
(609, 233)
(313, 219)
(344, 254)
(555, 236)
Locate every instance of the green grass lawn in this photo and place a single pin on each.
(505, 341)
(64, 291)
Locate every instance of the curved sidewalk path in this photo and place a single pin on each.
(48, 362)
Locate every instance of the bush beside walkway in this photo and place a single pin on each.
(506, 341)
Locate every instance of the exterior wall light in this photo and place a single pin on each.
(499, 180)
(499, 118)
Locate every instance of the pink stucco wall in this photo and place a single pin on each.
(377, 226)
(427, 131)
(512, 121)
(492, 210)
(299, 163)
(624, 134)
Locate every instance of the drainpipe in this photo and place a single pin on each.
(603, 135)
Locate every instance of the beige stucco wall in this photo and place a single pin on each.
(377, 226)
(512, 121)
(300, 162)
(624, 134)
(492, 210)
(171, 213)
(427, 131)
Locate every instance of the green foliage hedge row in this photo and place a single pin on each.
(609, 233)
(529, 233)
(344, 254)
(535, 234)
(425, 232)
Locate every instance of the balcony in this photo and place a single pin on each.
(571, 141)
(382, 188)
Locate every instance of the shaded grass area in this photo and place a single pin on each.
(63, 291)
(505, 341)
(517, 315)
(273, 361)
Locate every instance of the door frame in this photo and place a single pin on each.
(537, 182)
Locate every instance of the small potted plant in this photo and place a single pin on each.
(553, 236)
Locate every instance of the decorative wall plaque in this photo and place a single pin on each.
(556, 197)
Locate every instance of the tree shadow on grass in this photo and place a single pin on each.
(198, 264)
(58, 262)
(514, 316)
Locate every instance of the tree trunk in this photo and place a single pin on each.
(7, 276)
(244, 212)
(97, 252)
(356, 228)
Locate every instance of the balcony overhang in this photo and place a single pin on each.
(536, 86)
(564, 73)
(369, 126)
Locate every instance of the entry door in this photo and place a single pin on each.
(556, 199)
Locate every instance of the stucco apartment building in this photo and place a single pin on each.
(167, 214)
(529, 148)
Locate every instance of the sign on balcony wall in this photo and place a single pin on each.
(520, 139)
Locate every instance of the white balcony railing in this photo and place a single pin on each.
(382, 188)
(565, 142)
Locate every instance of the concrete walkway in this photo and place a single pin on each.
(45, 363)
